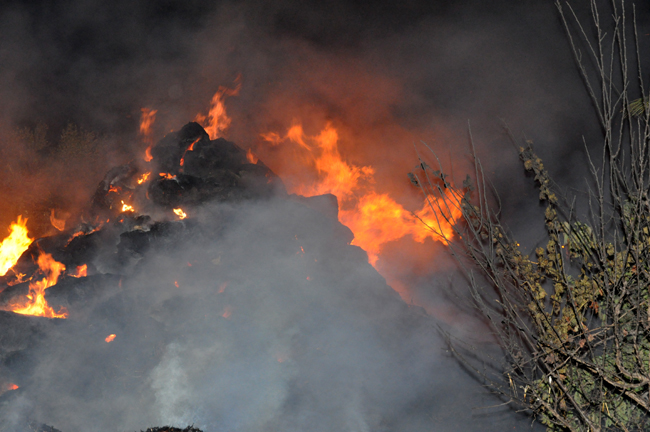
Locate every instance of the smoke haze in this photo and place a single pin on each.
(386, 77)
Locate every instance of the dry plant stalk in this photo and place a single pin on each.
(574, 319)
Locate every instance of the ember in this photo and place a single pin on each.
(146, 121)
(180, 213)
(110, 338)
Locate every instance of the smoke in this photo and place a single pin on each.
(386, 77)
(277, 323)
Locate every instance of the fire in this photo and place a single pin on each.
(110, 338)
(14, 245)
(37, 305)
(190, 148)
(143, 178)
(217, 121)
(9, 387)
(374, 217)
(147, 119)
(127, 207)
(167, 176)
(57, 223)
(250, 156)
(180, 213)
(82, 271)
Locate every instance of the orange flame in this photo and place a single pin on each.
(180, 213)
(110, 338)
(147, 120)
(374, 218)
(14, 245)
(250, 156)
(217, 121)
(37, 305)
(167, 176)
(127, 207)
(82, 271)
(57, 223)
(190, 148)
(143, 178)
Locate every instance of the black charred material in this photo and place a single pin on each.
(214, 170)
(139, 242)
(76, 291)
(169, 151)
(42, 428)
(173, 429)
(104, 201)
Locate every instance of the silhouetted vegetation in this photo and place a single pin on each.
(572, 318)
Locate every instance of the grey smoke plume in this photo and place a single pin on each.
(277, 323)
(387, 76)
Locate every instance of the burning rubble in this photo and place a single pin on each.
(208, 295)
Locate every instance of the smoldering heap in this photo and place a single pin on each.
(253, 313)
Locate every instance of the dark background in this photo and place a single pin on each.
(387, 75)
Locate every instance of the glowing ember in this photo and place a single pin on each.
(143, 178)
(167, 176)
(57, 223)
(250, 156)
(11, 386)
(374, 218)
(227, 313)
(190, 148)
(36, 304)
(110, 338)
(217, 121)
(176, 284)
(180, 213)
(14, 245)
(147, 119)
(127, 207)
(82, 271)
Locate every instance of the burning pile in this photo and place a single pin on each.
(195, 290)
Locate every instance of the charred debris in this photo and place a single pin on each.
(139, 209)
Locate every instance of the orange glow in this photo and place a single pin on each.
(227, 313)
(176, 284)
(114, 189)
(374, 217)
(190, 148)
(57, 223)
(110, 338)
(36, 304)
(217, 121)
(147, 120)
(250, 156)
(12, 386)
(82, 271)
(167, 176)
(143, 178)
(180, 213)
(14, 245)
(127, 207)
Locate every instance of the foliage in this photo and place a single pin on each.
(573, 319)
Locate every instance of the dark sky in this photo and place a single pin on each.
(387, 73)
